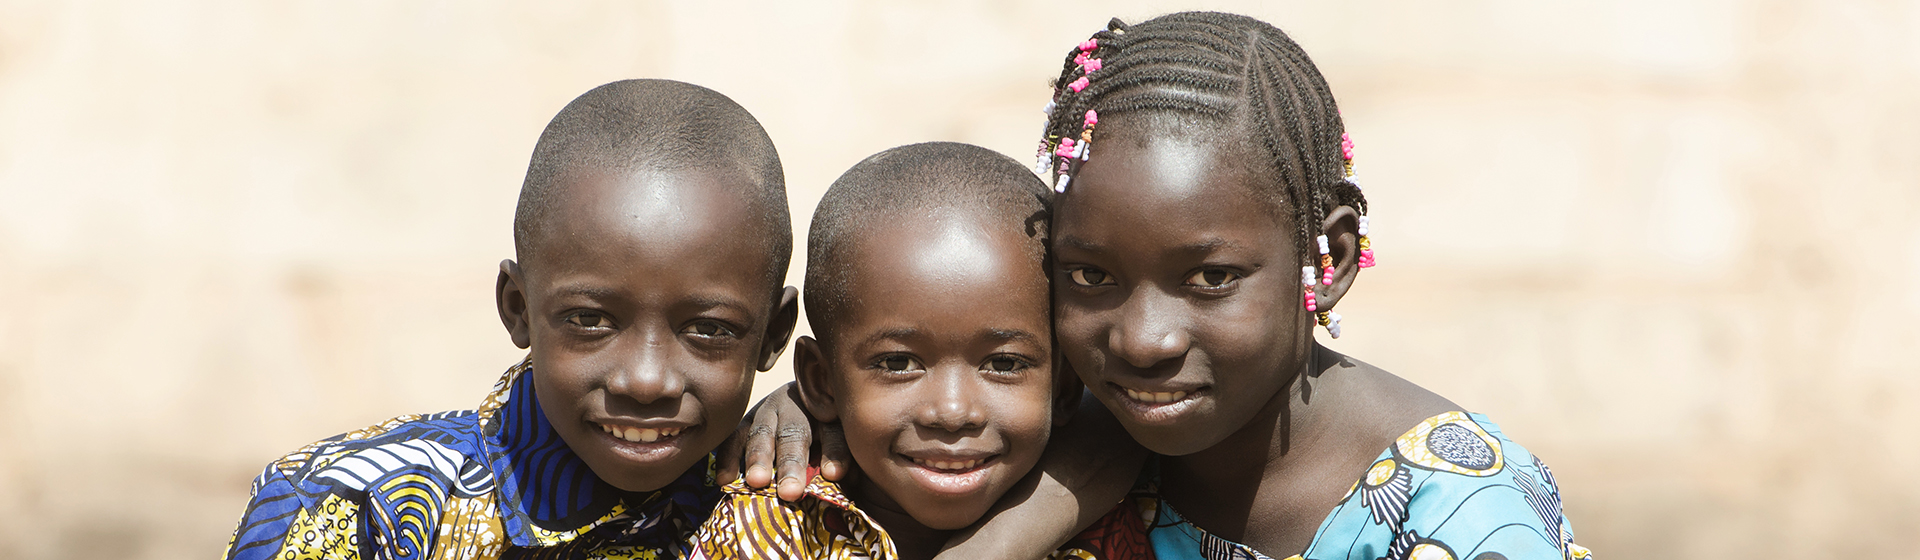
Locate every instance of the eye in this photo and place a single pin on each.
(898, 363)
(1090, 277)
(590, 320)
(1004, 364)
(1212, 278)
(709, 329)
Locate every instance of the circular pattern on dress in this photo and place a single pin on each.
(1460, 446)
(1381, 472)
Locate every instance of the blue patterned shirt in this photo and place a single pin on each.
(494, 482)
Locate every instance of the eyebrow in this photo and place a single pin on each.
(1203, 246)
(587, 291)
(891, 334)
(1011, 334)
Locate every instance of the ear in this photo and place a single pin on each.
(780, 327)
(810, 373)
(1342, 228)
(511, 299)
(1066, 391)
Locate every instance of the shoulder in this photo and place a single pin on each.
(314, 499)
(1455, 484)
(442, 445)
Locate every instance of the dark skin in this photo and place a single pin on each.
(1178, 301)
(647, 310)
(941, 373)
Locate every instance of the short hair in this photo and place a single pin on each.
(659, 125)
(913, 180)
(1226, 69)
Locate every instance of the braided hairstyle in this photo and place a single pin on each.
(1227, 68)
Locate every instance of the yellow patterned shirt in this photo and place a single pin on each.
(494, 482)
(754, 524)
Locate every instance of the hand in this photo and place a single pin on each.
(779, 432)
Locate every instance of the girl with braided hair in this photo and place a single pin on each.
(1201, 160)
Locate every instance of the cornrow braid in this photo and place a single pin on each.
(1228, 68)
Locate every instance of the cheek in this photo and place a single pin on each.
(869, 421)
(1077, 331)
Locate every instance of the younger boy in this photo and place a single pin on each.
(927, 290)
(652, 236)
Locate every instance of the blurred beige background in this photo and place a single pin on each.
(1670, 246)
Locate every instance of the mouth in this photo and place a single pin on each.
(1155, 397)
(1156, 407)
(641, 435)
(951, 475)
(961, 465)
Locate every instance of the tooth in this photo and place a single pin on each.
(649, 435)
(1177, 395)
(626, 434)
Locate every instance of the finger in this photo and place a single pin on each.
(835, 460)
(728, 457)
(795, 444)
(759, 450)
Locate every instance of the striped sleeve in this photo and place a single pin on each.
(752, 526)
(270, 514)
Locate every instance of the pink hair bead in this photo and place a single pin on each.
(1346, 146)
(1080, 59)
(1092, 65)
(1327, 279)
(1366, 258)
(1092, 118)
(1078, 85)
(1311, 305)
(1089, 45)
(1065, 149)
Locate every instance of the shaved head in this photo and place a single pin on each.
(635, 126)
(993, 191)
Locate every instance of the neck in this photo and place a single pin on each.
(913, 540)
(1286, 431)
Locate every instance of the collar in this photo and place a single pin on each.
(547, 496)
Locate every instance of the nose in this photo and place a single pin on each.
(955, 403)
(648, 374)
(1150, 330)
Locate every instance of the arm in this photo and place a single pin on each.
(778, 432)
(1088, 467)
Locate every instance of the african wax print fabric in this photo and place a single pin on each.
(494, 482)
(1453, 487)
(754, 524)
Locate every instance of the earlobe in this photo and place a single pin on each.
(786, 314)
(810, 373)
(511, 300)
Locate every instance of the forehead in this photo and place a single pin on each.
(706, 218)
(945, 267)
(1199, 173)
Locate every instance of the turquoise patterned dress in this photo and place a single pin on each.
(1451, 488)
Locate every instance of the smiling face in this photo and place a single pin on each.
(939, 368)
(1178, 288)
(647, 306)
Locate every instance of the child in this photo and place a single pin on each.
(927, 289)
(652, 236)
(1202, 162)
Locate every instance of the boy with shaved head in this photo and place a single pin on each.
(927, 289)
(651, 239)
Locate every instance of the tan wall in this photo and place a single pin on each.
(1670, 246)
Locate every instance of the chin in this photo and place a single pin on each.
(950, 517)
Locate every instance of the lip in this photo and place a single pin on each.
(1156, 405)
(949, 473)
